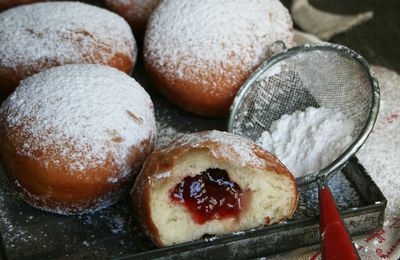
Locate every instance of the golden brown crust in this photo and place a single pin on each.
(140, 197)
(135, 12)
(56, 187)
(11, 77)
(198, 62)
(78, 40)
(195, 96)
(163, 160)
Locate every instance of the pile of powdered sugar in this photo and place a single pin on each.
(86, 113)
(308, 141)
(185, 39)
(62, 32)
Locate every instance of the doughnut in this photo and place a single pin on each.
(198, 53)
(211, 183)
(6, 4)
(43, 35)
(73, 137)
(136, 12)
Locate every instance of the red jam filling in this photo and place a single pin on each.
(209, 195)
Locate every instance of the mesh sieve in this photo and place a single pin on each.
(318, 75)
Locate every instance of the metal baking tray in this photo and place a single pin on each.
(113, 233)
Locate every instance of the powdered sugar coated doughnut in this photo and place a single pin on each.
(5, 4)
(73, 137)
(38, 36)
(264, 190)
(198, 53)
(136, 12)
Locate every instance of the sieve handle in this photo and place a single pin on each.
(335, 240)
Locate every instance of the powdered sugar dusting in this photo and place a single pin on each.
(189, 39)
(232, 146)
(166, 135)
(308, 141)
(167, 130)
(11, 233)
(86, 112)
(380, 153)
(60, 33)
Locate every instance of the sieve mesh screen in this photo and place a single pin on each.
(320, 76)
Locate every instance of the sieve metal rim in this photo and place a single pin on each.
(341, 161)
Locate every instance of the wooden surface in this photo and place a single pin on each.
(377, 40)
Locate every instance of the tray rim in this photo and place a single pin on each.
(378, 206)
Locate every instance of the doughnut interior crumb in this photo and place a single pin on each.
(268, 199)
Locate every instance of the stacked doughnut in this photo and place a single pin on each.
(136, 12)
(198, 53)
(43, 35)
(76, 128)
(73, 137)
(211, 183)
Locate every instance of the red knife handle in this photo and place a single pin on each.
(336, 242)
